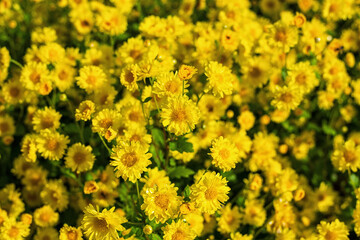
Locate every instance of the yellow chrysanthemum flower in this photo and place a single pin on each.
(220, 79)
(161, 202)
(51, 145)
(224, 153)
(178, 230)
(33, 75)
(169, 84)
(7, 126)
(91, 78)
(209, 192)
(334, 230)
(180, 115)
(45, 216)
(47, 118)
(55, 195)
(13, 230)
(46, 233)
(79, 158)
(70, 233)
(346, 156)
(130, 160)
(85, 110)
(287, 97)
(229, 220)
(101, 225)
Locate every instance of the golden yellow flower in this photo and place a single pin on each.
(85, 110)
(90, 187)
(180, 115)
(101, 225)
(346, 156)
(220, 79)
(229, 220)
(90, 78)
(209, 192)
(79, 158)
(55, 195)
(51, 145)
(186, 72)
(70, 233)
(45, 216)
(13, 230)
(130, 160)
(47, 118)
(333, 230)
(224, 153)
(46, 233)
(33, 75)
(7, 127)
(161, 202)
(178, 230)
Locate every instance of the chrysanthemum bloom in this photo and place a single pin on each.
(79, 158)
(283, 36)
(179, 230)
(51, 144)
(10, 201)
(195, 220)
(324, 198)
(170, 85)
(130, 161)
(70, 233)
(254, 213)
(239, 236)
(210, 192)
(224, 153)
(33, 74)
(355, 215)
(128, 77)
(4, 63)
(161, 202)
(287, 97)
(186, 72)
(46, 233)
(155, 179)
(180, 115)
(303, 75)
(14, 92)
(334, 230)
(12, 229)
(246, 120)
(7, 126)
(55, 195)
(137, 134)
(63, 76)
(111, 22)
(90, 187)
(101, 225)
(220, 79)
(229, 220)
(105, 196)
(346, 157)
(106, 120)
(211, 107)
(84, 111)
(90, 78)
(47, 118)
(45, 216)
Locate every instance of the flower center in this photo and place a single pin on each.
(52, 144)
(349, 156)
(179, 115)
(72, 235)
(129, 159)
(224, 153)
(4, 127)
(178, 235)
(286, 97)
(13, 232)
(171, 86)
(47, 122)
(14, 91)
(210, 193)
(35, 77)
(79, 158)
(162, 201)
(106, 123)
(101, 225)
(330, 236)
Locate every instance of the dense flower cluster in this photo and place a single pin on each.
(179, 120)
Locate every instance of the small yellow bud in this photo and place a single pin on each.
(299, 194)
(147, 230)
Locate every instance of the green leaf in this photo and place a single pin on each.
(158, 136)
(187, 191)
(230, 176)
(179, 172)
(328, 130)
(155, 236)
(147, 99)
(70, 128)
(181, 145)
(354, 180)
(288, 126)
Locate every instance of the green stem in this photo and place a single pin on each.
(137, 190)
(16, 63)
(106, 146)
